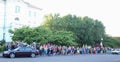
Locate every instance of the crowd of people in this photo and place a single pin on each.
(51, 49)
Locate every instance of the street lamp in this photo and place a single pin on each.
(4, 23)
(101, 43)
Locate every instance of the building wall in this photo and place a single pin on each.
(18, 14)
(1, 19)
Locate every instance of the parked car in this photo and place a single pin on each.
(20, 52)
(115, 51)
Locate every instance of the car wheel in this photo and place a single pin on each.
(32, 55)
(12, 55)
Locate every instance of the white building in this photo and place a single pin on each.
(18, 13)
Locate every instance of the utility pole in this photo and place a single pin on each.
(4, 23)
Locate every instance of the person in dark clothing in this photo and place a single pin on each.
(75, 50)
(48, 51)
(13, 47)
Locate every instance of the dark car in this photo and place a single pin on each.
(21, 52)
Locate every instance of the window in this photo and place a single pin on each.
(29, 13)
(21, 49)
(28, 49)
(17, 19)
(35, 14)
(17, 9)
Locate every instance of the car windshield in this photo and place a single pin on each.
(17, 49)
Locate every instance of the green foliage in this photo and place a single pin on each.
(111, 42)
(22, 34)
(42, 35)
(27, 34)
(87, 30)
(2, 42)
(2, 48)
(63, 38)
(2, 45)
(66, 30)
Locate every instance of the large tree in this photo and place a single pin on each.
(87, 30)
(21, 33)
(63, 38)
(27, 34)
(42, 35)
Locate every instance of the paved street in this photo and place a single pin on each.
(73, 58)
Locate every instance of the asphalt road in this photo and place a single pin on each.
(71, 58)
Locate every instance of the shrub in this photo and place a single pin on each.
(111, 42)
(2, 48)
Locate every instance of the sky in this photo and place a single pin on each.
(107, 11)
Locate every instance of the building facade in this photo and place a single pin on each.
(17, 13)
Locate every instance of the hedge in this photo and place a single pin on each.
(2, 48)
